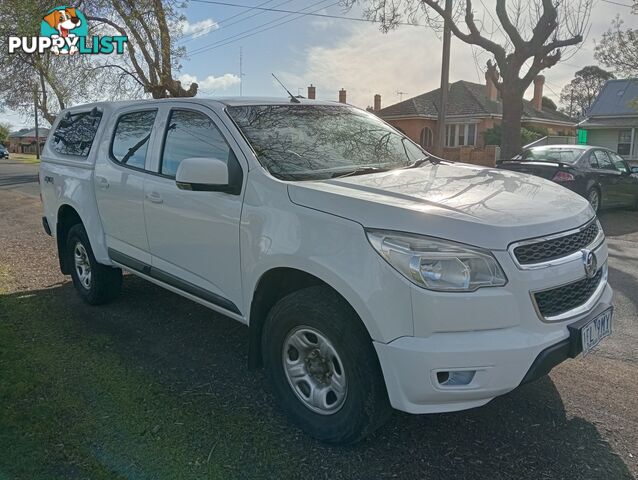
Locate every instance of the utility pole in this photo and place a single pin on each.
(37, 130)
(445, 80)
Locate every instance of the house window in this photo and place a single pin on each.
(457, 135)
(624, 142)
(426, 137)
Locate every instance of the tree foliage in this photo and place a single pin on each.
(494, 135)
(579, 94)
(148, 66)
(526, 38)
(5, 130)
(618, 48)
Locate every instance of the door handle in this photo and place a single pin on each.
(154, 197)
(102, 182)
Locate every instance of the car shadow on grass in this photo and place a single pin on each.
(155, 386)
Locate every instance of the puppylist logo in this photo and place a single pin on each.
(65, 31)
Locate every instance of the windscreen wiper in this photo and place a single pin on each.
(421, 161)
(360, 171)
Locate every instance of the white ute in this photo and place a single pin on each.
(370, 274)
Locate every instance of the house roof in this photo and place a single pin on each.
(614, 99)
(465, 99)
(43, 132)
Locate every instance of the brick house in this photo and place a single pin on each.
(23, 141)
(472, 109)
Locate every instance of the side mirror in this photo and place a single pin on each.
(202, 174)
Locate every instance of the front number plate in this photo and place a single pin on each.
(596, 330)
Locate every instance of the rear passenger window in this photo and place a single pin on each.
(131, 136)
(603, 160)
(75, 133)
(191, 134)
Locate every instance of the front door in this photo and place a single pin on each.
(194, 235)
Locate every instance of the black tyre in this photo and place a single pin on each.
(593, 197)
(323, 367)
(96, 283)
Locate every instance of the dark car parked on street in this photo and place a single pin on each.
(4, 153)
(600, 175)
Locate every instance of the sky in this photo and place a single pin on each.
(335, 53)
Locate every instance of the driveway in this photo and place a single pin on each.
(153, 386)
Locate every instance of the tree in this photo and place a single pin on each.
(548, 103)
(580, 93)
(152, 55)
(618, 48)
(5, 130)
(148, 66)
(494, 135)
(532, 37)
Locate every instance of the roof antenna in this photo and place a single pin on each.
(293, 99)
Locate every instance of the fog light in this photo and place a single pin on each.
(455, 378)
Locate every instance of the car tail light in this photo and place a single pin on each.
(563, 177)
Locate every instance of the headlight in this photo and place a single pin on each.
(437, 264)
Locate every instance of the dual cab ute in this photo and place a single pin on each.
(370, 274)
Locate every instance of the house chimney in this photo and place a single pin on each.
(490, 89)
(377, 102)
(342, 96)
(311, 92)
(539, 81)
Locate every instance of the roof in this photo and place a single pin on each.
(610, 122)
(614, 99)
(42, 132)
(230, 101)
(465, 99)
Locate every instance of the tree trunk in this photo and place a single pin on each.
(511, 124)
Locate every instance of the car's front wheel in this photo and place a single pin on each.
(323, 367)
(96, 283)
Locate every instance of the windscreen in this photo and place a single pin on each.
(309, 142)
(550, 154)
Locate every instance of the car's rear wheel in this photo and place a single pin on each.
(323, 367)
(96, 283)
(593, 197)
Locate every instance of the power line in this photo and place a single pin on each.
(617, 3)
(258, 29)
(225, 25)
(313, 14)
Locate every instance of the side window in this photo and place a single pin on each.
(619, 163)
(592, 160)
(131, 138)
(603, 160)
(624, 142)
(75, 133)
(191, 134)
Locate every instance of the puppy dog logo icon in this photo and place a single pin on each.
(64, 23)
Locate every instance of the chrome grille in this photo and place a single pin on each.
(567, 297)
(546, 250)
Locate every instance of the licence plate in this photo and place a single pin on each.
(596, 330)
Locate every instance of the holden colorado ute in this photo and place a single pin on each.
(371, 275)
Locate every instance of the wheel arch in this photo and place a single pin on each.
(272, 286)
(67, 216)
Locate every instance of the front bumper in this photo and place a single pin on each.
(501, 360)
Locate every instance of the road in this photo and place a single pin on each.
(23, 177)
(155, 386)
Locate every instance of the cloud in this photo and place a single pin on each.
(365, 61)
(198, 29)
(211, 83)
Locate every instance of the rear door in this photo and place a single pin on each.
(627, 183)
(607, 177)
(119, 184)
